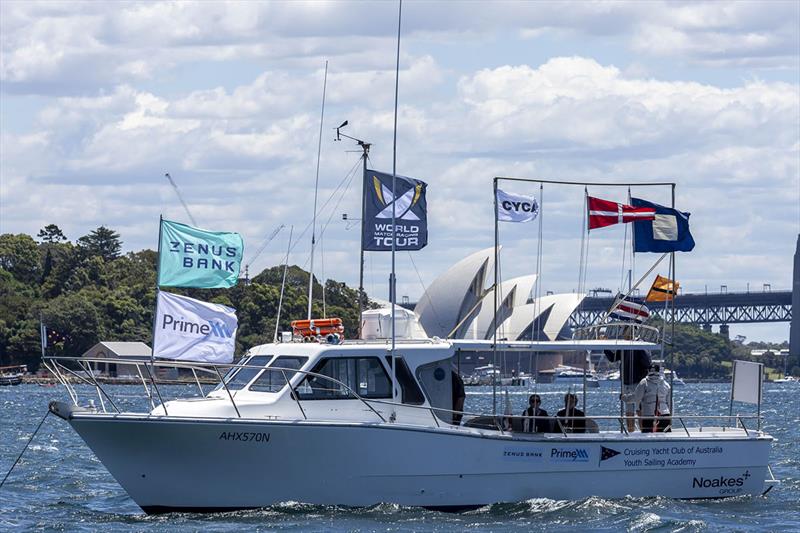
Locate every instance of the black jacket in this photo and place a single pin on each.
(538, 425)
(634, 366)
(576, 425)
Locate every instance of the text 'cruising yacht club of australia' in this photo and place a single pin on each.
(315, 418)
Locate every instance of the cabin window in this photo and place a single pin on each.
(410, 391)
(363, 375)
(243, 376)
(273, 380)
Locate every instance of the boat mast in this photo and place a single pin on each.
(365, 146)
(316, 189)
(392, 279)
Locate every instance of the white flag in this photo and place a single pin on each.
(515, 207)
(190, 330)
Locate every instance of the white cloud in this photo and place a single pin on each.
(226, 98)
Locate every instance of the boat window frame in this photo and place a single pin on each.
(301, 396)
(408, 378)
(272, 361)
(227, 380)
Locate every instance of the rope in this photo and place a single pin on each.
(25, 448)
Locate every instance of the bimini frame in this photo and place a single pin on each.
(584, 184)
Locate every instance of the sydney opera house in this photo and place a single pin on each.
(459, 305)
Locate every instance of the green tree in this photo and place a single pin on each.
(102, 242)
(20, 256)
(51, 233)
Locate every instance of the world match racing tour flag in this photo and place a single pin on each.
(410, 211)
(192, 257)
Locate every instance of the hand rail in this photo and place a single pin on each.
(298, 375)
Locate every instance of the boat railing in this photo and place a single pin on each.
(620, 331)
(294, 378)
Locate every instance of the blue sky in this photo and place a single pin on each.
(100, 99)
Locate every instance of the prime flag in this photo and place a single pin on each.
(604, 213)
(192, 257)
(663, 290)
(410, 211)
(629, 311)
(516, 207)
(668, 231)
(192, 330)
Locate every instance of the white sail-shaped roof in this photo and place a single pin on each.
(514, 293)
(548, 314)
(451, 296)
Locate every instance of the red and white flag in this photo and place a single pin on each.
(603, 213)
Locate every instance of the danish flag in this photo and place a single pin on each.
(603, 213)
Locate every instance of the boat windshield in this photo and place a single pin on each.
(274, 381)
(242, 376)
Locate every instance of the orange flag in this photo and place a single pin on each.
(663, 290)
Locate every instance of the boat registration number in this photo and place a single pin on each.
(244, 436)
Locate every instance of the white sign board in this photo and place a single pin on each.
(747, 379)
(191, 330)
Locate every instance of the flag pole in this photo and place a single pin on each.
(496, 285)
(392, 278)
(283, 284)
(673, 277)
(316, 189)
(158, 276)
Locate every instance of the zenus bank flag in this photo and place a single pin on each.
(191, 330)
(192, 257)
(410, 210)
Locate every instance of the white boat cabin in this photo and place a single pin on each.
(424, 375)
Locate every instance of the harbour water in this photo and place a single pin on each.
(60, 486)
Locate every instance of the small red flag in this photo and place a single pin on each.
(603, 213)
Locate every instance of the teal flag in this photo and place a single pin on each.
(192, 257)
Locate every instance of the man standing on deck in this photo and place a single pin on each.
(652, 397)
(634, 368)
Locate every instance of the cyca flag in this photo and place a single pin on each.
(190, 330)
(410, 210)
(191, 257)
(515, 207)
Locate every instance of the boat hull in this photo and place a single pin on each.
(210, 465)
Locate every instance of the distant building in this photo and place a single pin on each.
(117, 350)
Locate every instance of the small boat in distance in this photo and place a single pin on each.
(12, 375)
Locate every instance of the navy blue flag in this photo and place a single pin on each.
(410, 209)
(668, 232)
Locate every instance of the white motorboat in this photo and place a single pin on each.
(317, 423)
(786, 379)
(574, 376)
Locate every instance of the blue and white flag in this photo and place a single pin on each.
(667, 232)
(191, 330)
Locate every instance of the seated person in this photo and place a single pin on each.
(572, 419)
(458, 398)
(535, 425)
